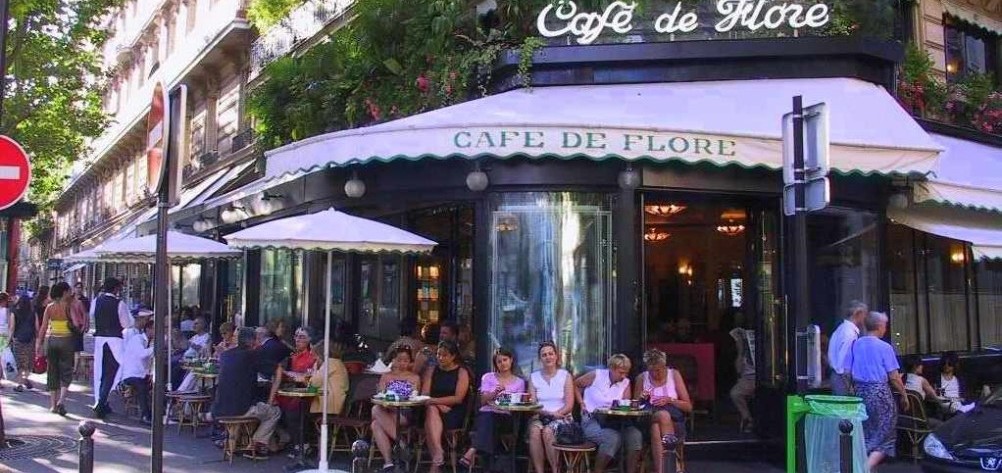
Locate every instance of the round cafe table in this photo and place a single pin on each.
(204, 376)
(305, 397)
(400, 462)
(518, 412)
(623, 416)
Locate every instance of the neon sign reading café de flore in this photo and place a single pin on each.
(563, 17)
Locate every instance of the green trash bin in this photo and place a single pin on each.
(822, 414)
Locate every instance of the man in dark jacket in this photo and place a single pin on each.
(237, 387)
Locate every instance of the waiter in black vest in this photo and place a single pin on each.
(111, 316)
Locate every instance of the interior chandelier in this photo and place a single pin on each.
(653, 235)
(666, 210)
(731, 229)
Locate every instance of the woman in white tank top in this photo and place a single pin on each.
(553, 387)
(664, 389)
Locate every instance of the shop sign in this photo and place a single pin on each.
(54, 264)
(563, 17)
(594, 143)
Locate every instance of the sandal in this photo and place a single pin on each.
(61, 410)
(465, 464)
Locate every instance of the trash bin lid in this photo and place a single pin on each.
(845, 407)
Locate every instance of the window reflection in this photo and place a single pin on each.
(843, 253)
(989, 294)
(281, 278)
(551, 276)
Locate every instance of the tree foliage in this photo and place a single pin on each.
(396, 58)
(52, 101)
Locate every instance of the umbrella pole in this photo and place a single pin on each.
(327, 354)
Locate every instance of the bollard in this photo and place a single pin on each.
(845, 446)
(360, 452)
(86, 447)
(669, 460)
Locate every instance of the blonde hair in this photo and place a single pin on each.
(618, 361)
(655, 357)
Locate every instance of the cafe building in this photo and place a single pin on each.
(632, 197)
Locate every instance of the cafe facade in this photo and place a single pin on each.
(632, 197)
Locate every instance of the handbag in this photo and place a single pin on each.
(570, 433)
(41, 365)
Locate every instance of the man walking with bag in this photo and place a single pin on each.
(111, 316)
(839, 345)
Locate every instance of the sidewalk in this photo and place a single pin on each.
(123, 445)
(120, 444)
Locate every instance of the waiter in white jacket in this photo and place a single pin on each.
(110, 316)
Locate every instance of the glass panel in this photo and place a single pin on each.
(175, 288)
(773, 343)
(389, 290)
(551, 276)
(901, 280)
(842, 245)
(989, 293)
(367, 278)
(429, 290)
(190, 279)
(281, 276)
(233, 292)
(946, 285)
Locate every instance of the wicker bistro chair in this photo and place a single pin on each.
(354, 422)
(914, 423)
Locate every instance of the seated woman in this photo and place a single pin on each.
(336, 379)
(490, 420)
(400, 380)
(447, 384)
(296, 370)
(553, 388)
(227, 332)
(949, 383)
(914, 381)
(664, 389)
(596, 390)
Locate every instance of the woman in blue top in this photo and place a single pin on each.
(874, 370)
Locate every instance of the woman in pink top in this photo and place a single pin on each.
(492, 385)
(664, 389)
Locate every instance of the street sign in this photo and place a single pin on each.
(817, 161)
(54, 264)
(817, 145)
(157, 124)
(817, 194)
(15, 172)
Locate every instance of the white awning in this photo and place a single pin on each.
(953, 7)
(256, 187)
(74, 268)
(180, 247)
(982, 229)
(721, 122)
(968, 174)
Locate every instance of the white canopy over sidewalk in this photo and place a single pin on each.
(968, 174)
(982, 229)
(721, 122)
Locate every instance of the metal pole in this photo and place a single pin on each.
(327, 350)
(161, 306)
(845, 446)
(800, 269)
(85, 450)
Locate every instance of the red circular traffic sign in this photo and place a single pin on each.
(15, 172)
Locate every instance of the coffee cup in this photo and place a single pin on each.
(518, 398)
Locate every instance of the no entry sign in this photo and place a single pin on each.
(15, 172)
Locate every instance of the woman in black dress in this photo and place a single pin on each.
(447, 384)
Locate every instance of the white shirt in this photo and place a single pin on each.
(550, 395)
(913, 382)
(4, 326)
(950, 387)
(602, 392)
(187, 325)
(201, 341)
(838, 346)
(137, 357)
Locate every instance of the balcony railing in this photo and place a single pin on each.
(242, 140)
(303, 23)
(200, 162)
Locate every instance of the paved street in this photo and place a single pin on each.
(122, 445)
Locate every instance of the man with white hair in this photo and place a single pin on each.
(838, 347)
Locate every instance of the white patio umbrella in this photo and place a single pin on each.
(329, 231)
(181, 247)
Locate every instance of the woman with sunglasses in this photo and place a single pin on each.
(404, 382)
(553, 388)
(447, 384)
(492, 385)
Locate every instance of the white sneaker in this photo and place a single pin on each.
(965, 407)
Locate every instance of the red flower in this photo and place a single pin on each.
(422, 83)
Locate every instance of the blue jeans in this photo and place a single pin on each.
(609, 439)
